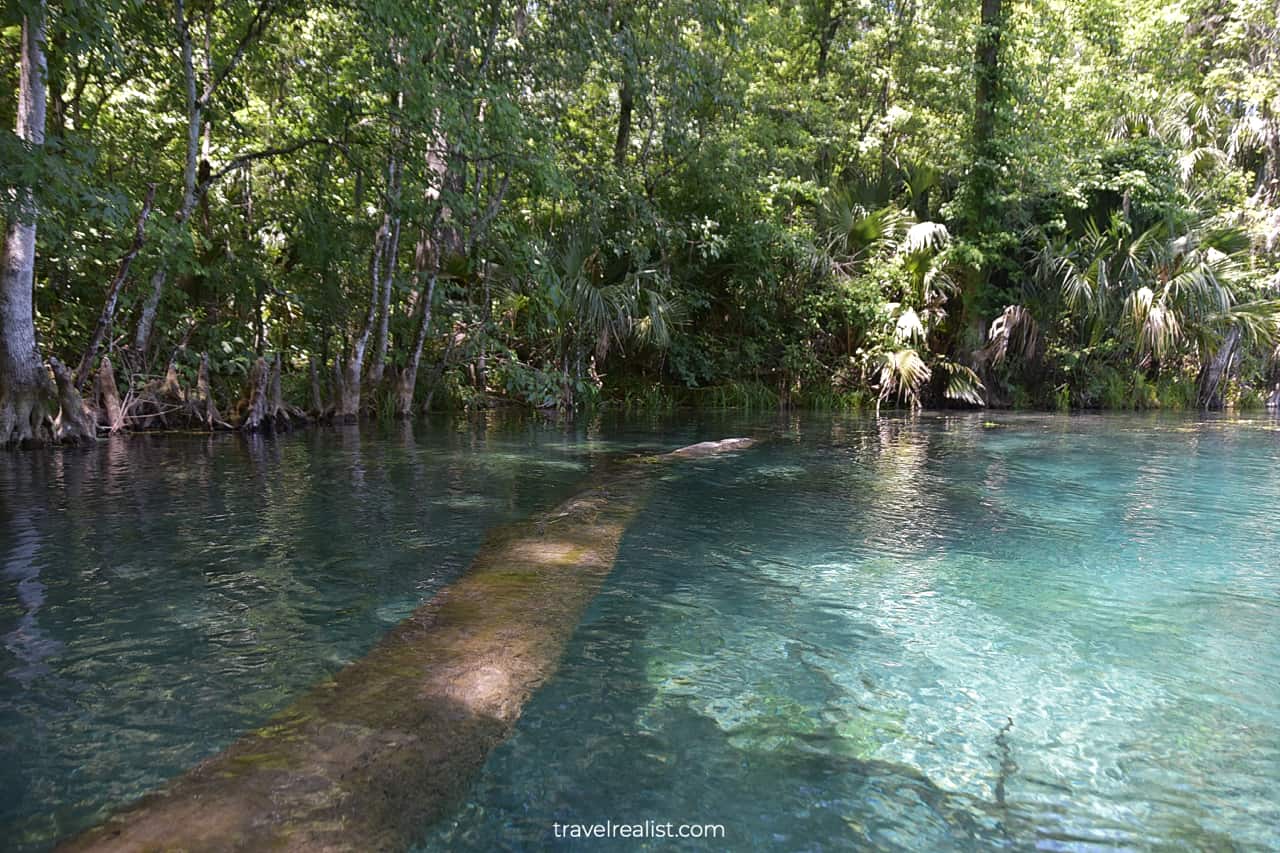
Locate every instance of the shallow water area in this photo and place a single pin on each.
(947, 631)
(943, 632)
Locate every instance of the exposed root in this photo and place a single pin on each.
(405, 381)
(164, 404)
(160, 403)
(318, 409)
(282, 413)
(106, 398)
(201, 407)
(26, 398)
(24, 416)
(76, 423)
(264, 408)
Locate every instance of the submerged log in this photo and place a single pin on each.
(369, 757)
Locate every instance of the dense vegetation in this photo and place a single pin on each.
(826, 203)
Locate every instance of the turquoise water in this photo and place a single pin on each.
(927, 635)
(160, 595)
(912, 633)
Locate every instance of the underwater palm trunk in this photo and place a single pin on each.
(24, 385)
(370, 757)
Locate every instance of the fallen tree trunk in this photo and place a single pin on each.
(368, 758)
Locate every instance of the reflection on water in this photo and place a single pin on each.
(905, 633)
(927, 633)
(159, 595)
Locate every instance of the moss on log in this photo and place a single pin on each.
(368, 758)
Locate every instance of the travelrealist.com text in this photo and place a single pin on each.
(647, 829)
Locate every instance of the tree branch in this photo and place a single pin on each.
(263, 154)
(255, 28)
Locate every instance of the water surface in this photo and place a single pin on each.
(941, 632)
(162, 594)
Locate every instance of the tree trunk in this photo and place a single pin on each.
(202, 408)
(282, 414)
(439, 372)
(828, 25)
(347, 405)
(987, 93)
(1217, 370)
(75, 423)
(113, 292)
(106, 397)
(626, 103)
(987, 67)
(407, 381)
(24, 383)
(317, 401)
(336, 384)
(392, 251)
(255, 415)
(195, 114)
(626, 85)
(347, 392)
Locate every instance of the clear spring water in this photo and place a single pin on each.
(926, 633)
(160, 595)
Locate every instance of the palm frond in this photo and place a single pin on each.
(902, 374)
(962, 384)
(909, 328)
(1014, 330)
(924, 237)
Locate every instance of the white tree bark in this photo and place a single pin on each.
(25, 388)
